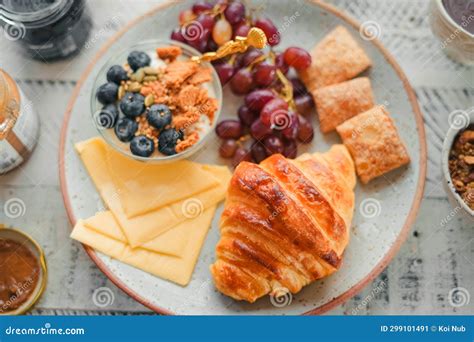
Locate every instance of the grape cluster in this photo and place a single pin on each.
(268, 122)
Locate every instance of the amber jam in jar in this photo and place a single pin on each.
(19, 124)
(47, 29)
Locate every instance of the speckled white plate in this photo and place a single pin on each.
(385, 208)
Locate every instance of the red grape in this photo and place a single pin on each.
(206, 21)
(177, 35)
(242, 82)
(199, 43)
(290, 150)
(264, 74)
(273, 144)
(211, 45)
(225, 72)
(258, 130)
(250, 56)
(280, 63)
(228, 148)
(235, 12)
(229, 129)
(298, 87)
(304, 104)
(202, 6)
(222, 32)
(271, 108)
(289, 130)
(242, 154)
(246, 116)
(305, 130)
(270, 30)
(258, 98)
(259, 152)
(242, 30)
(298, 58)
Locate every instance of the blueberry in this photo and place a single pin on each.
(116, 74)
(167, 141)
(138, 59)
(125, 129)
(108, 116)
(159, 115)
(142, 146)
(107, 93)
(132, 104)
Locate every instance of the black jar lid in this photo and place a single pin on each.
(33, 12)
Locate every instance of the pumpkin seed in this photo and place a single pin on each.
(139, 74)
(121, 92)
(150, 70)
(149, 78)
(149, 100)
(135, 87)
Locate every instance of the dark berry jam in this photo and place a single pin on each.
(462, 12)
(48, 29)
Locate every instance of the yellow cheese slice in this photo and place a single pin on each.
(144, 228)
(171, 242)
(144, 187)
(175, 269)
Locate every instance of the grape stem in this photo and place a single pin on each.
(287, 90)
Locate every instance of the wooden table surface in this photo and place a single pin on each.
(432, 274)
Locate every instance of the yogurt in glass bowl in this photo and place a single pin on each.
(117, 96)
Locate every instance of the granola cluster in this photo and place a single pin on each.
(461, 165)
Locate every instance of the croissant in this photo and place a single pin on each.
(285, 223)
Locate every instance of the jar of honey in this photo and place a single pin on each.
(19, 124)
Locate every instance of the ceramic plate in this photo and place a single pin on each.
(384, 211)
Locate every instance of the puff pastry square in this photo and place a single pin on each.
(374, 143)
(337, 58)
(340, 102)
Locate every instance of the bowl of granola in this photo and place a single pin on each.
(458, 162)
(152, 103)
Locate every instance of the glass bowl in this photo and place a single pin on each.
(149, 46)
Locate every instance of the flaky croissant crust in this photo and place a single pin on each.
(285, 223)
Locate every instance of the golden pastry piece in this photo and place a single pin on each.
(340, 102)
(374, 143)
(337, 58)
(285, 224)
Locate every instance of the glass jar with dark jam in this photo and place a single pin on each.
(47, 29)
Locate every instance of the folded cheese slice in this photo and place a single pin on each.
(144, 187)
(141, 229)
(175, 269)
(171, 242)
